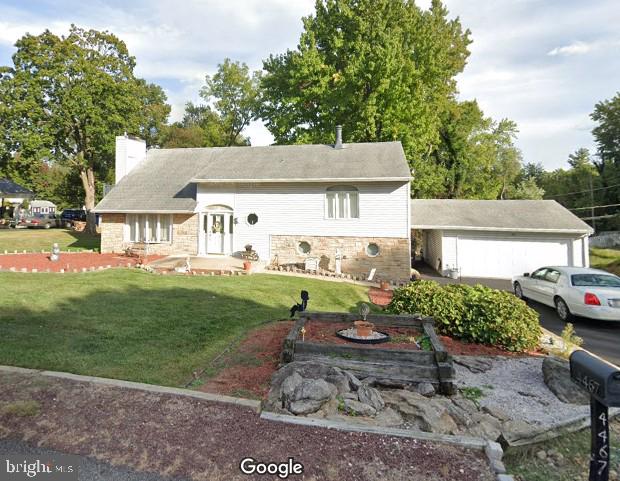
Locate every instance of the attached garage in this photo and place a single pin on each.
(497, 238)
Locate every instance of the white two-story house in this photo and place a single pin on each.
(288, 202)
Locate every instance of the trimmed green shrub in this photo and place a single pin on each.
(472, 313)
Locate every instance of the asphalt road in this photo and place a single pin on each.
(89, 469)
(601, 338)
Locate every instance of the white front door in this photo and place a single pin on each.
(218, 227)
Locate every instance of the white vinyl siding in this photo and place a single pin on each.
(151, 228)
(300, 209)
(432, 249)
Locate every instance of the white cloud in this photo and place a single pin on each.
(582, 48)
(575, 48)
(543, 64)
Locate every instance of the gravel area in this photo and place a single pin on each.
(176, 436)
(519, 390)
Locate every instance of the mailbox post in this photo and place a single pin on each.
(602, 381)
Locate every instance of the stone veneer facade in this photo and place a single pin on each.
(184, 235)
(392, 262)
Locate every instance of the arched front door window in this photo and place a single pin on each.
(342, 202)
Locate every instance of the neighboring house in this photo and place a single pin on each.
(13, 194)
(42, 207)
(498, 238)
(289, 202)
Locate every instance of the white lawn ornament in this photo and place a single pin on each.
(338, 262)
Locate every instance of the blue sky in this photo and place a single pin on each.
(541, 63)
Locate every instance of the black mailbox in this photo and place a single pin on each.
(599, 378)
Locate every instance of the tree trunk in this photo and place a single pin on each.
(88, 182)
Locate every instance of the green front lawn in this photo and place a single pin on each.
(133, 325)
(606, 259)
(43, 239)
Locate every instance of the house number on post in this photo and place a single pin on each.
(602, 381)
(599, 459)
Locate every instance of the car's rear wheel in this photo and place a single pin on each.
(68, 224)
(47, 226)
(561, 308)
(519, 291)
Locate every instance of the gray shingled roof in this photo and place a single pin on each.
(495, 215)
(9, 188)
(164, 182)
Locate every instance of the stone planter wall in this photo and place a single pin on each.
(396, 365)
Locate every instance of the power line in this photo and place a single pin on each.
(594, 207)
(608, 216)
(584, 191)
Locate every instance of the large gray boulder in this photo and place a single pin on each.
(556, 373)
(305, 406)
(313, 389)
(422, 413)
(291, 383)
(358, 408)
(371, 396)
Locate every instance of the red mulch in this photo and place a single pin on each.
(325, 333)
(250, 366)
(462, 348)
(253, 362)
(379, 297)
(70, 262)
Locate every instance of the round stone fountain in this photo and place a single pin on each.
(363, 331)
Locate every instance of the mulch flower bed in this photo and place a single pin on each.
(325, 333)
(250, 366)
(247, 370)
(68, 262)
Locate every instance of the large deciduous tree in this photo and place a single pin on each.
(235, 93)
(232, 101)
(384, 69)
(66, 98)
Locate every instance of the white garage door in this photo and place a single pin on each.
(503, 258)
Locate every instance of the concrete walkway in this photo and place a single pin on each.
(207, 264)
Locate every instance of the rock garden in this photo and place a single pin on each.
(514, 394)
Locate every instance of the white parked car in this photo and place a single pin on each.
(573, 291)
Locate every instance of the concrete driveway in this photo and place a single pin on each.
(601, 338)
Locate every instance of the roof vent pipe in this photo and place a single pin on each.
(338, 144)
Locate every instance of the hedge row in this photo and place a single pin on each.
(472, 313)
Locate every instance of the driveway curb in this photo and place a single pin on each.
(248, 403)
